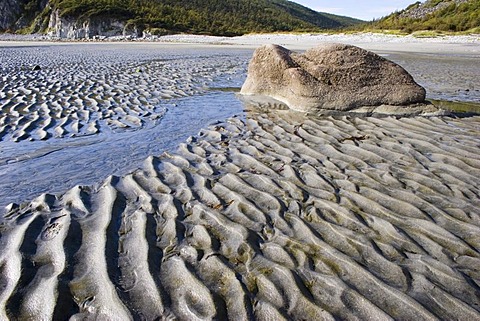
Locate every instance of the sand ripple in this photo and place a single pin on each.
(84, 89)
(273, 218)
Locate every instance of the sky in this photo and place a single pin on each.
(361, 9)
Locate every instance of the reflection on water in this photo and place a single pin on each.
(28, 169)
(445, 77)
(458, 106)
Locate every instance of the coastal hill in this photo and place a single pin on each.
(90, 18)
(438, 15)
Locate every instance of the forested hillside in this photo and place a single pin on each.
(439, 15)
(215, 17)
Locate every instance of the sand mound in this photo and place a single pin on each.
(273, 218)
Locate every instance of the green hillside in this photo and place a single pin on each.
(438, 15)
(214, 17)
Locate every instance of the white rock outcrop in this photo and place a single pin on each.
(73, 28)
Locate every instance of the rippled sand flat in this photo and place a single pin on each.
(83, 89)
(272, 217)
(130, 100)
(265, 216)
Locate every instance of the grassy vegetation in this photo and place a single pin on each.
(457, 106)
(451, 18)
(214, 17)
(36, 16)
(237, 17)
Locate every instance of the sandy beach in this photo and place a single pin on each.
(141, 188)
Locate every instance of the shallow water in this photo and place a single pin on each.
(28, 169)
(444, 76)
(266, 215)
(207, 77)
(277, 216)
(170, 93)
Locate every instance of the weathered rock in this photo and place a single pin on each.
(10, 11)
(91, 28)
(331, 77)
(14, 14)
(420, 10)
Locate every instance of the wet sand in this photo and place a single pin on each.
(270, 215)
(276, 217)
(84, 89)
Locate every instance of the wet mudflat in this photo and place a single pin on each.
(264, 215)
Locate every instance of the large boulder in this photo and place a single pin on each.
(330, 77)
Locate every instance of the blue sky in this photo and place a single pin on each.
(362, 9)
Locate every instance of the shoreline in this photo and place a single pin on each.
(128, 87)
(270, 215)
(297, 40)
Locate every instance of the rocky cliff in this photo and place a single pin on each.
(10, 13)
(94, 27)
(19, 14)
(420, 10)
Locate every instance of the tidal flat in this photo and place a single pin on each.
(140, 187)
(94, 110)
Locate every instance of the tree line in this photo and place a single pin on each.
(214, 17)
(455, 17)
